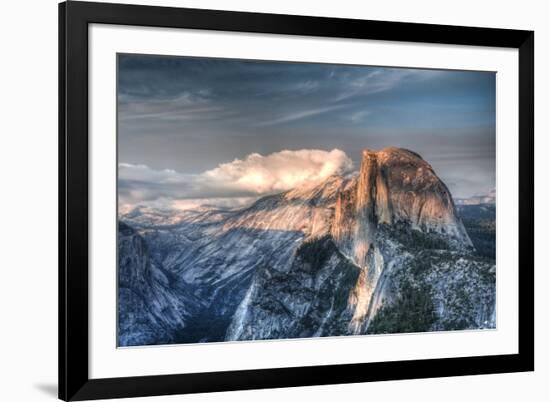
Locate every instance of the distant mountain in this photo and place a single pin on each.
(379, 251)
(489, 198)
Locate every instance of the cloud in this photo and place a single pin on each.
(307, 86)
(359, 116)
(280, 171)
(241, 179)
(381, 80)
(169, 204)
(230, 202)
(300, 115)
(185, 106)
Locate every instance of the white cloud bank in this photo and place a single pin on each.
(247, 178)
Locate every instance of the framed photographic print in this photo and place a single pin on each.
(257, 201)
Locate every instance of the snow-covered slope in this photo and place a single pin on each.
(489, 198)
(325, 259)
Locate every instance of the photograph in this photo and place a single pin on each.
(268, 200)
(209, 201)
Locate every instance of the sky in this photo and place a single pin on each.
(223, 131)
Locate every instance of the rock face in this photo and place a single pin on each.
(395, 188)
(153, 305)
(381, 250)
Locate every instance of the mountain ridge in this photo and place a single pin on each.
(370, 228)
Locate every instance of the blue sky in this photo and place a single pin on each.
(191, 115)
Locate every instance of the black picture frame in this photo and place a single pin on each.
(74, 381)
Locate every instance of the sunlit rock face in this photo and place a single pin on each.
(380, 250)
(395, 187)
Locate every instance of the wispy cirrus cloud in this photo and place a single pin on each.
(186, 106)
(359, 116)
(380, 80)
(303, 114)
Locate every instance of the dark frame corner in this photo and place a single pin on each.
(74, 18)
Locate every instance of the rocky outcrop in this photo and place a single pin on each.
(395, 187)
(310, 301)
